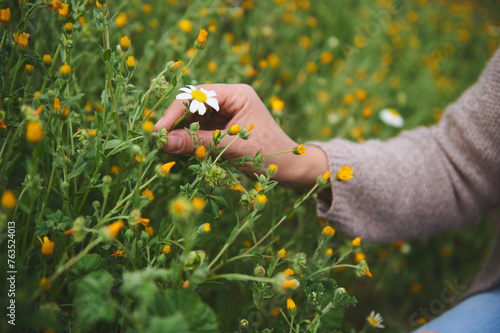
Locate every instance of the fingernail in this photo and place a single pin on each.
(174, 143)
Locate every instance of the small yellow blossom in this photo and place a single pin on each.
(212, 66)
(356, 241)
(47, 246)
(368, 273)
(148, 126)
(115, 227)
(206, 227)
(261, 199)
(326, 58)
(185, 284)
(65, 70)
(114, 169)
(198, 203)
(328, 231)
(290, 304)
(21, 39)
(275, 312)
(29, 68)
(359, 256)
(234, 129)
(9, 200)
(69, 28)
(282, 253)
(147, 8)
(45, 284)
(345, 173)
(277, 105)
(124, 43)
(5, 16)
(121, 20)
(216, 133)
(149, 230)
(201, 152)
(186, 26)
(361, 94)
(299, 150)
(165, 168)
(293, 283)
(327, 175)
(289, 272)
(34, 131)
(2, 124)
(131, 62)
(63, 11)
(201, 41)
(329, 252)
(148, 194)
(117, 253)
(166, 249)
(143, 221)
(47, 59)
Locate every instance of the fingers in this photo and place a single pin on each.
(231, 97)
(180, 142)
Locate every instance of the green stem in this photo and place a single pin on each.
(240, 277)
(3, 38)
(330, 268)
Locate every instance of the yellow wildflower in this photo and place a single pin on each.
(117, 253)
(45, 284)
(47, 246)
(92, 132)
(47, 59)
(148, 126)
(329, 252)
(345, 173)
(124, 43)
(201, 152)
(9, 200)
(290, 304)
(261, 199)
(114, 169)
(5, 16)
(293, 283)
(234, 129)
(206, 227)
(299, 150)
(356, 241)
(327, 175)
(201, 41)
(275, 312)
(115, 227)
(147, 8)
(277, 105)
(198, 203)
(148, 194)
(166, 249)
(29, 68)
(149, 230)
(359, 256)
(165, 168)
(2, 124)
(34, 131)
(65, 70)
(185, 25)
(289, 272)
(282, 253)
(21, 39)
(121, 20)
(131, 63)
(63, 11)
(328, 231)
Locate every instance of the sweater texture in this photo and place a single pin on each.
(427, 180)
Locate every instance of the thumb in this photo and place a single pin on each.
(179, 141)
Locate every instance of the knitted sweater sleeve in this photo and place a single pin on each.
(426, 180)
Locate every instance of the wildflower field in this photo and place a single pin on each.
(100, 230)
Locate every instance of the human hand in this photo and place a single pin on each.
(240, 104)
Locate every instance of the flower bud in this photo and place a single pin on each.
(259, 271)
(201, 41)
(272, 169)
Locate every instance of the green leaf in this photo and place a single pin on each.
(106, 55)
(93, 301)
(87, 264)
(174, 304)
(174, 80)
(77, 172)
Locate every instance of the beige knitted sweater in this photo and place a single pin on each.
(426, 180)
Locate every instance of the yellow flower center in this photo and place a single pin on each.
(198, 95)
(394, 113)
(372, 321)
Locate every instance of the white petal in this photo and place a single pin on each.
(185, 89)
(211, 93)
(183, 96)
(195, 105)
(202, 109)
(213, 103)
(203, 90)
(192, 87)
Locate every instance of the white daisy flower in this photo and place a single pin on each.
(391, 117)
(375, 319)
(198, 99)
